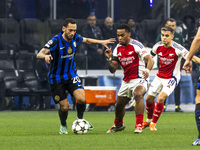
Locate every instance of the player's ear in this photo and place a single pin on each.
(63, 28)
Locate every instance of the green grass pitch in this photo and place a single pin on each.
(39, 130)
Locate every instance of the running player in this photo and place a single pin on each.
(170, 54)
(131, 56)
(59, 52)
(188, 66)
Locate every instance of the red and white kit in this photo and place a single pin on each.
(131, 59)
(169, 72)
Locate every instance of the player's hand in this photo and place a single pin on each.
(48, 59)
(187, 66)
(109, 41)
(108, 53)
(145, 73)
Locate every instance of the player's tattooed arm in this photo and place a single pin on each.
(45, 54)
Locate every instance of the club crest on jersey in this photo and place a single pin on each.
(171, 54)
(74, 43)
(160, 54)
(70, 50)
(119, 54)
(130, 53)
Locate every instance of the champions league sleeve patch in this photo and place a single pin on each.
(49, 44)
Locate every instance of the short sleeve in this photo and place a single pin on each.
(51, 44)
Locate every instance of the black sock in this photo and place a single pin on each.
(63, 117)
(80, 110)
(197, 117)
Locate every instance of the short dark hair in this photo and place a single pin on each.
(167, 28)
(124, 26)
(69, 20)
(171, 20)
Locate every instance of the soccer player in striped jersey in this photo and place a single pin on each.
(188, 66)
(59, 52)
(131, 55)
(170, 54)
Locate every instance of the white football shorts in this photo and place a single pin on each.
(127, 88)
(162, 85)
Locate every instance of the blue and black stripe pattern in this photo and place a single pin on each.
(63, 65)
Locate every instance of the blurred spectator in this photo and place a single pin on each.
(136, 31)
(95, 54)
(109, 30)
(8, 9)
(188, 30)
(179, 39)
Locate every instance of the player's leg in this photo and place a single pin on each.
(138, 94)
(119, 114)
(63, 113)
(158, 110)
(150, 104)
(79, 95)
(197, 116)
(59, 95)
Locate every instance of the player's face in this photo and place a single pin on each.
(166, 37)
(69, 31)
(171, 24)
(123, 37)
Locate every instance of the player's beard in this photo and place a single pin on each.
(68, 38)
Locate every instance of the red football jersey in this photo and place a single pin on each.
(170, 59)
(131, 59)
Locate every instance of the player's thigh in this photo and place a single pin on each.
(169, 85)
(79, 95)
(155, 87)
(197, 98)
(139, 92)
(58, 91)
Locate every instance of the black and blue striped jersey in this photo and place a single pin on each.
(63, 65)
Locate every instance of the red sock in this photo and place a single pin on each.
(157, 111)
(149, 109)
(139, 120)
(118, 122)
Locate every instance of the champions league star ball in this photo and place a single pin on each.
(80, 126)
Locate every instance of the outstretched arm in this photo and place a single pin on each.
(112, 64)
(102, 42)
(44, 54)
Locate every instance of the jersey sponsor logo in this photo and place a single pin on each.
(160, 54)
(166, 61)
(126, 61)
(68, 56)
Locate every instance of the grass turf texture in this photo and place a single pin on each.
(39, 130)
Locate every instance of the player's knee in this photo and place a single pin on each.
(65, 107)
(138, 96)
(161, 100)
(81, 101)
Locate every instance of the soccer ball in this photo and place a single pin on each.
(80, 126)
